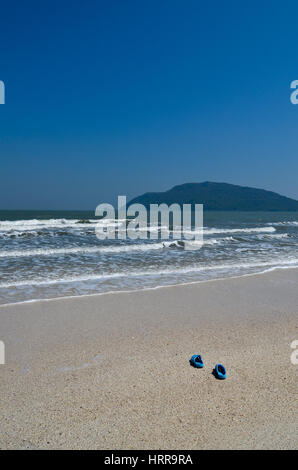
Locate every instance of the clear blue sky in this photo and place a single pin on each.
(123, 97)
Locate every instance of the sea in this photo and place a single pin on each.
(50, 254)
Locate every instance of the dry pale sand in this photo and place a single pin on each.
(111, 371)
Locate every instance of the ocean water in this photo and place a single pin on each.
(48, 254)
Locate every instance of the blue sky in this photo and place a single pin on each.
(124, 97)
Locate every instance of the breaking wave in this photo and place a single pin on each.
(191, 269)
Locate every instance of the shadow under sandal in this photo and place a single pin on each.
(220, 372)
(197, 361)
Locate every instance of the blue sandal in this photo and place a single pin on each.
(197, 361)
(220, 372)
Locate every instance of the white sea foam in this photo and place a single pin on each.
(240, 230)
(35, 224)
(82, 249)
(273, 236)
(231, 268)
(289, 223)
(137, 247)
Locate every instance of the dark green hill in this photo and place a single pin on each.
(220, 196)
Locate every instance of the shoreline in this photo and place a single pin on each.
(112, 372)
(128, 291)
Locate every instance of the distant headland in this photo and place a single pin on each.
(220, 197)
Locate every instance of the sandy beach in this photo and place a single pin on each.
(112, 371)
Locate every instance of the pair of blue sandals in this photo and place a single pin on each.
(219, 370)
